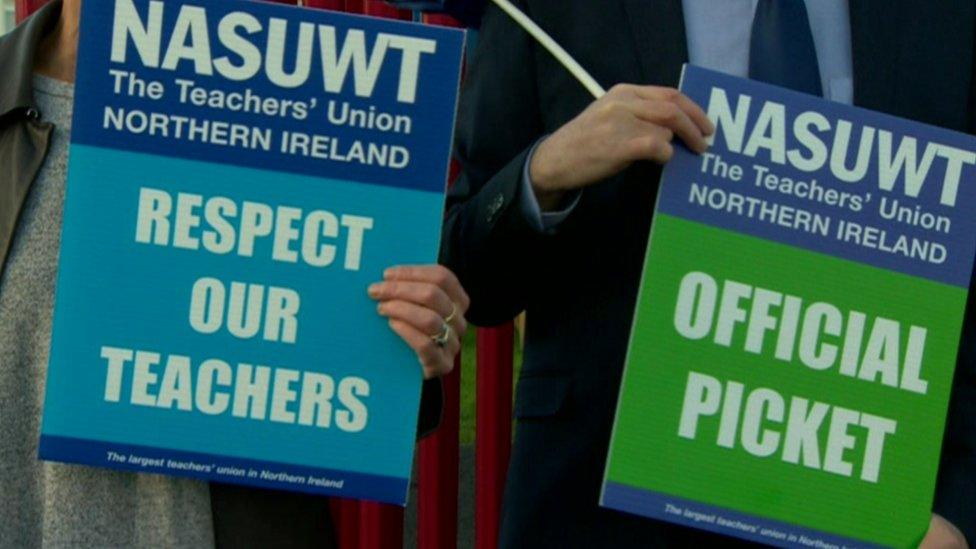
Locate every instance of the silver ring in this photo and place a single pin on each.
(442, 338)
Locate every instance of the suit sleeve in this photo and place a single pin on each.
(955, 493)
(955, 496)
(488, 241)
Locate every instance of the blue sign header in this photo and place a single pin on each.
(257, 84)
(848, 182)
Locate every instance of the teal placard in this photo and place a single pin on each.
(231, 196)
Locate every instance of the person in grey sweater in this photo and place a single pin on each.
(57, 505)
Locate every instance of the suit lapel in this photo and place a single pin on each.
(658, 29)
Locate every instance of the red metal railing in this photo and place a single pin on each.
(366, 525)
(24, 7)
(493, 437)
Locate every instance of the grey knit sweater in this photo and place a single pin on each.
(49, 504)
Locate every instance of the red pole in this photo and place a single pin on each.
(335, 5)
(440, 19)
(345, 517)
(380, 526)
(378, 8)
(437, 504)
(354, 6)
(494, 430)
(23, 8)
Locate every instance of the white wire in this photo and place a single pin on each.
(554, 48)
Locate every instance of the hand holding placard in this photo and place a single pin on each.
(628, 124)
(419, 300)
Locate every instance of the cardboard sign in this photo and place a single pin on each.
(796, 332)
(240, 172)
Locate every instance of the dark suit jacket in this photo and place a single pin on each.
(911, 59)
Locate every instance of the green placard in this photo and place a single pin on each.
(792, 353)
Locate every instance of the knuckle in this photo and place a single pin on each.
(432, 323)
(633, 149)
(443, 272)
(439, 272)
(428, 294)
(428, 349)
(665, 152)
(395, 325)
(669, 112)
(645, 146)
(450, 277)
(670, 94)
(655, 147)
(608, 108)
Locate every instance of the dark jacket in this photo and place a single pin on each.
(243, 517)
(578, 286)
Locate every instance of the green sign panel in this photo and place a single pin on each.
(795, 337)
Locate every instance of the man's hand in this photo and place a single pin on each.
(628, 124)
(420, 302)
(943, 535)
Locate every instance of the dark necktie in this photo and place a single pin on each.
(781, 51)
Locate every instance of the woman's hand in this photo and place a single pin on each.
(425, 306)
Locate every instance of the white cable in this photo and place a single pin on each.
(554, 48)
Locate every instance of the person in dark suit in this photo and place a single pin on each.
(552, 211)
